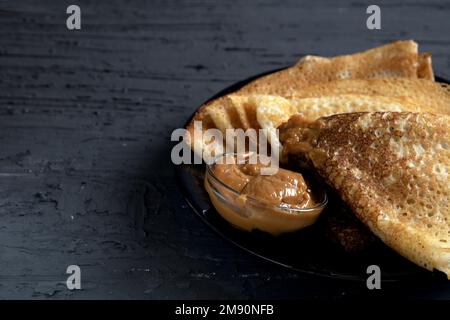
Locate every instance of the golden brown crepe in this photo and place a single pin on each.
(273, 110)
(392, 169)
(433, 94)
(397, 59)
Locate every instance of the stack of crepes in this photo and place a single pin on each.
(374, 125)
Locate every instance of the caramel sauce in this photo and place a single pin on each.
(271, 203)
(282, 188)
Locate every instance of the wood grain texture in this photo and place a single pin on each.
(85, 124)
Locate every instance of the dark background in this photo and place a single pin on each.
(85, 124)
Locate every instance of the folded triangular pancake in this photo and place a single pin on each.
(396, 59)
(392, 169)
(272, 111)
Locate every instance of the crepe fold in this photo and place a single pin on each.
(392, 169)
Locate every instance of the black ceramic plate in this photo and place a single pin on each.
(308, 250)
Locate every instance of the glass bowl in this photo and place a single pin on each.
(248, 213)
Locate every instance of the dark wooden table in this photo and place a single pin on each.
(85, 124)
